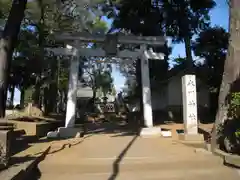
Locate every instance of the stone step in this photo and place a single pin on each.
(105, 166)
(161, 174)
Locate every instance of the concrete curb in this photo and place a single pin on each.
(22, 171)
(229, 159)
(23, 174)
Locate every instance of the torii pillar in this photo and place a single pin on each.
(146, 90)
(148, 130)
(72, 93)
(69, 129)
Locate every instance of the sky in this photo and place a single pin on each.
(219, 16)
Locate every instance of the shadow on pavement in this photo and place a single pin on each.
(118, 128)
(119, 159)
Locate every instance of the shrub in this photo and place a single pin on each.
(229, 136)
(228, 133)
(234, 109)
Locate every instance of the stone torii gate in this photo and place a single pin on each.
(110, 50)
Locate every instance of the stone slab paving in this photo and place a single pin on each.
(112, 156)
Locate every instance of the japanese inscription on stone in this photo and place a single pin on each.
(189, 104)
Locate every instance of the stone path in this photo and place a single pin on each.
(121, 157)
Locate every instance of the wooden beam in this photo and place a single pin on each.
(88, 52)
(122, 39)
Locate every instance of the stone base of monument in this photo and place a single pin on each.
(151, 132)
(52, 135)
(6, 131)
(191, 137)
(63, 132)
(73, 132)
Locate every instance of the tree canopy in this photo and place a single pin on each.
(211, 45)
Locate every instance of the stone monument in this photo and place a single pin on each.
(190, 116)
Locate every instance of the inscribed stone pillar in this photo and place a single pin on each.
(72, 93)
(189, 97)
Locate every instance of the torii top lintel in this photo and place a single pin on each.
(121, 39)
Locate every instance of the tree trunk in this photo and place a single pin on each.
(65, 98)
(53, 85)
(36, 93)
(139, 89)
(12, 95)
(22, 98)
(58, 96)
(7, 45)
(52, 96)
(188, 50)
(61, 97)
(46, 100)
(94, 94)
(231, 70)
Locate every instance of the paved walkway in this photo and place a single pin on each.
(116, 156)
